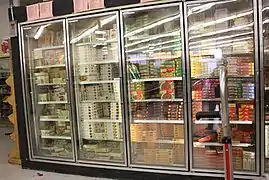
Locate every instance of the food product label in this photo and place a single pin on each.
(32, 12)
(96, 4)
(38, 54)
(80, 5)
(45, 9)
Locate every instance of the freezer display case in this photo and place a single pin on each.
(153, 60)
(222, 31)
(265, 78)
(46, 91)
(96, 63)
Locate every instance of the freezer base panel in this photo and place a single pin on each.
(121, 173)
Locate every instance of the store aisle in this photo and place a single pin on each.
(13, 172)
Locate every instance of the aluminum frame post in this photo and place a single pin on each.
(227, 135)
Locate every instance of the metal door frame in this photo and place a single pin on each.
(26, 98)
(127, 94)
(256, 81)
(76, 94)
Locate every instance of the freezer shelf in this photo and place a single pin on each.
(49, 122)
(155, 86)
(223, 32)
(94, 45)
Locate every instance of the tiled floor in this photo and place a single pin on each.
(13, 172)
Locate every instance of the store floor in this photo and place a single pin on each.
(13, 172)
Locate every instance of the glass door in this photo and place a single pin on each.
(96, 64)
(265, 79)
(49, 116)
(154, 65)
(222, 31)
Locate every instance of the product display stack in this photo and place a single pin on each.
(5, 90)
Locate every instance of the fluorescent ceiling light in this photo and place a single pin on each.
(171, 34)
(221, 42)
(222, 31)
(220, 38)
(40, 31)
(93, 29)
(100, 32)
(210, 23)
(151, 45)
(266, 8)
(266, 21)
(158, 23)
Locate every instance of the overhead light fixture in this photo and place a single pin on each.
(40, 31)
(171, 34)
(266, 21)
(221, 42)
(150, 46)
(222, 31)
(266, 8)
(210, 23)
(158, 23)
(220, 38)
(100, 32)
(93, 29)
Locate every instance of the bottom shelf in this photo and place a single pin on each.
(213, 158)
(158, 154)
(102, 151)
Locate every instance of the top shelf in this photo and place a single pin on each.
(158, 79)
(98, 62)
(152, 58)
(49, 48)
(228, 76)
(231, 54)
(96, 43)
(51, 66)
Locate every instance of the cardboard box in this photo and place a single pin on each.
(45, 9)
(33, 12)
(80, 5)
(96, 4)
